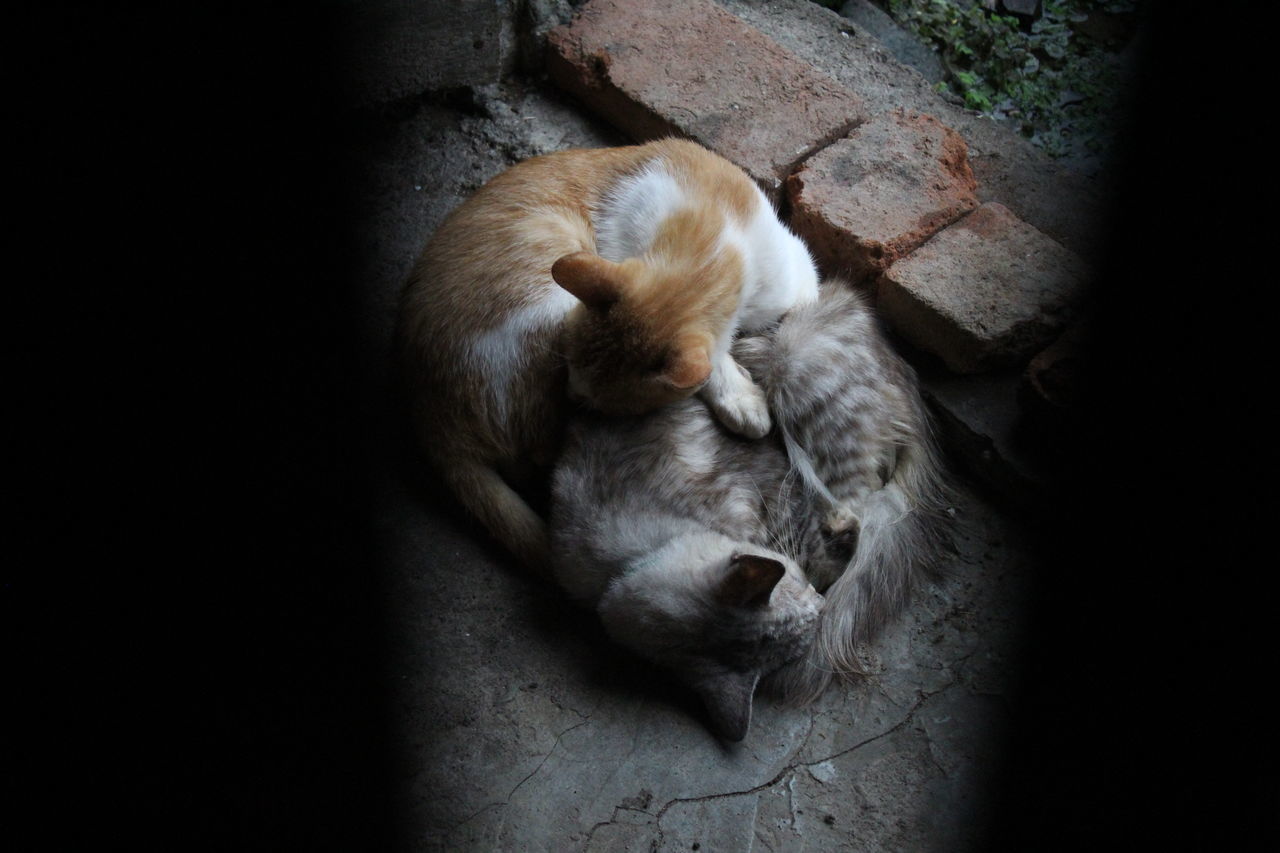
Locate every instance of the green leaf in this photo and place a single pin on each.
(999, 68)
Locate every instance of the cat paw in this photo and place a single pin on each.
(737, 402)
(840, 520)
(745, 414)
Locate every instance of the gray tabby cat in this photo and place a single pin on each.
(857, 433)
(705, 552)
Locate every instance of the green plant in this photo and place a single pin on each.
(1056, 85)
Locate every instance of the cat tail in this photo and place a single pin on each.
(502, 511)
(905, 532)
(904, 536)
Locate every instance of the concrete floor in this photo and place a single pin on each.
(520, 726)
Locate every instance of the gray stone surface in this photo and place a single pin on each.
(980, 420)
(519, 727)
(401, 48)
(905, 47)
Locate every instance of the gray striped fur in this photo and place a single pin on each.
(848, 494)
(858, 433)
(648, 516)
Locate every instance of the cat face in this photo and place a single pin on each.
(619, 370)
(720, 622)
(644, 332)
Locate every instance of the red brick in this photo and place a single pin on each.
(689, 68)
(873, 197)
(986, 292)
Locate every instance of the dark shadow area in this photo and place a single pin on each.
(198, 617)
(1135, 722)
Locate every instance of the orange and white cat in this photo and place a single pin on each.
(619, 275)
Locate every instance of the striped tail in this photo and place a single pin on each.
(903, 537)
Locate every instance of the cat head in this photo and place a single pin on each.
(644, 333)
(719, 618)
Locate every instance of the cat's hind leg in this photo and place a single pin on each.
(841, 519)
(502, 511)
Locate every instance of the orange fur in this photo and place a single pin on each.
(594, 280)
(677, 298)
(644, 340)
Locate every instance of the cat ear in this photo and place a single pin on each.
(688, 364)
(750, 581)
(597, 282)
(727, 697)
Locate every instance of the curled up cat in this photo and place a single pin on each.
(617, 276)
(709, 553)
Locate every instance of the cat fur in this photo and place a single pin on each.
(661, 523)
(618, 275)
(649, 514)
(859, 437)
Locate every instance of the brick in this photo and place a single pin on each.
(689, 68)
(986, 292)
(1068, 205)
(873, 197)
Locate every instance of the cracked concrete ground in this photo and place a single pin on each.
(523, 728)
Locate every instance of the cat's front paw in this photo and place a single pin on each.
(745, 413)
(737, 402)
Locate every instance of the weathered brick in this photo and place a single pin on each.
(876, 195)
(688, 67)
(986, 292)
(1067, 205)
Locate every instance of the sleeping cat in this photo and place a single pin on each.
(620, 275)
(661, 523)
(705, 552)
